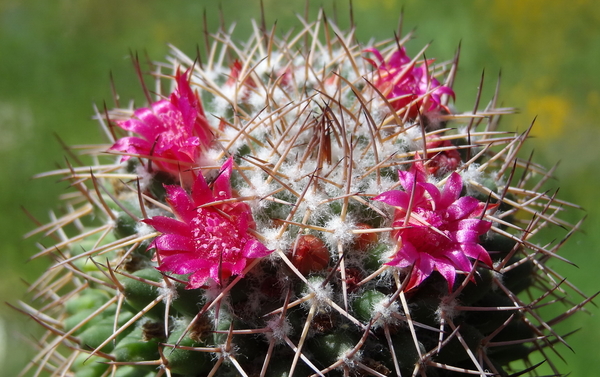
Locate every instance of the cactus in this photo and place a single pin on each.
(302, 205)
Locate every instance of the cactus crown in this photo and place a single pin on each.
(302, 206)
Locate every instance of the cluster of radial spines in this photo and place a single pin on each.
(315, 161)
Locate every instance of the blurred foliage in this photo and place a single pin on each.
(56, 57)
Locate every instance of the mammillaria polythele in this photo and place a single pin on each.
(291, 209)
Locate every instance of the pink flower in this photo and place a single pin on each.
(206, 241)
(442, 231)
(408, 86)
(174, 132)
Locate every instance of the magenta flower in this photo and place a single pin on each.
(206, 241)
(174, 132)
(441, 231)
(408, 86)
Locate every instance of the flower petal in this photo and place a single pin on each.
(255, 249)
(181, 203)
(165, 224)
(406, 179)
(459, 259)
(476, 251)
(173, 242)
(433, 191)
(451, 191)
(462, 208)
(131, 145)
(185, 100)
(180, 264)
(375, 52)
(197, 279)
(448, 271)
(423, 268)
(145, 122)
(394, 198)
(201, 193)
(470, 230)
(222, 186)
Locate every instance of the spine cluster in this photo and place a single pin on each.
(302, 206)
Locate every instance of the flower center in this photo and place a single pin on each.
(431, 237)
(215, 237)
(175, 132)
(427, 240)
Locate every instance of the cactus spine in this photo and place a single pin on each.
(302, 206)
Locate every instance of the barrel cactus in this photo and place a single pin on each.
(302, 205)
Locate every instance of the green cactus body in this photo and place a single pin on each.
(305, 206)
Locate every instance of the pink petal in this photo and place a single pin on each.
(399, 58)
(222, 186)
(201, 193)
(165, 224)
(235, 267)
(144, 122)
(406, 179)
(131, 145)
(433, 191)
(135, 125)
(466, 235)
(423, 268)
(448, 272)
(478, 252)
(408, 252)
(240, 221)
(425, 264)
(185, 153)
(164, 111)
(408, 256)
(399, 262)
(458, 259)
(180, 264)
(241, 211)
(197, 279)
(451, 190)
(394, 198)
(181, 203)
(375, 52)
(191, 142)
(480, 226)
(173, 242)
(216, 271)
(462, 208)
(153, 123)
(202, 129)
(440, 90)
(469, 230)
(416, 278)
(255, 249)
(185, 100)
(405, 256)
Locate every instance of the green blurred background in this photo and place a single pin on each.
(55, 59)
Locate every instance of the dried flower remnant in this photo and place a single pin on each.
(438, 230)
(245, 84)
(174, 132)
(444, 161)
(310, 254)
(206, 241)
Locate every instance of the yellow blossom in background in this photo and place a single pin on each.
(551, 113)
